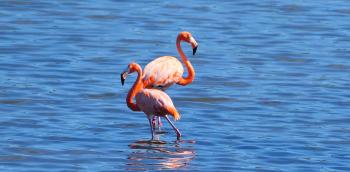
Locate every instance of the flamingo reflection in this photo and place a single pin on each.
(159, 155)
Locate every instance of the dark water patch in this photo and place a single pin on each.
(30, 151)
(310, 148)
(293, 74)
(285, 94)
(103, 17)
(207, 100)
(343, 11)
(202, 9)
(338, 67)
(237, 84)
(248, 147)
(52, 60)
(337, 121)
(341, 168)
(13, 102)
(11, 158)
(251, 61)
(173, 6)
(292, 59)
(141, 41)
(272, 103)
(23, 123)
(294, 8)
(98, 60)
(103, 96)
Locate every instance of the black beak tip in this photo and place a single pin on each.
(122, 79)
(194, 50)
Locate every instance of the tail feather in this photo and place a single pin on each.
(176, 115)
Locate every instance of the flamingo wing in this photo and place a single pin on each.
(156, 102)
(162, 72)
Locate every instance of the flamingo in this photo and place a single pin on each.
(152, 102)
(165, 71)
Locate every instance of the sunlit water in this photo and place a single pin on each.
(271, 91)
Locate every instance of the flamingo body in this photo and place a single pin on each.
(165, 71)
(156, 102)
(162, 72)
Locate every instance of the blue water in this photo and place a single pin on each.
(271, 91)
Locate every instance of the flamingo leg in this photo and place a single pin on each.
(160, 124)
(178, 134)
(154, 122)
(151, 126)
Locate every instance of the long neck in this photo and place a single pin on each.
(133, 91)
(190, 70)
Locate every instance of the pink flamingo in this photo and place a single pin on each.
(152, 102)
(165, 71)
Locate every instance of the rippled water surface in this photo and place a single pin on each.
(271, 91)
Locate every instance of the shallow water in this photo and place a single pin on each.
(270, 94)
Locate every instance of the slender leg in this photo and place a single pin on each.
(151, 126)
(160, 124)
(178, 134)
(154, 122)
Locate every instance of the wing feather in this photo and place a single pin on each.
(156, 102)
(162, 72)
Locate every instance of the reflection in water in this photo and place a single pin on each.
(158, 155)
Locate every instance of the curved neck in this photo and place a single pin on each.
(190, 70)
(134, 90)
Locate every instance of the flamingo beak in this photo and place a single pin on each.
(194, 45)
(123, 77)
(194, 50)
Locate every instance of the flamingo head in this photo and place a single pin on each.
(132, 67)
(187, 37)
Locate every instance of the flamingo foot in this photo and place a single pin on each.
(178, 134)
